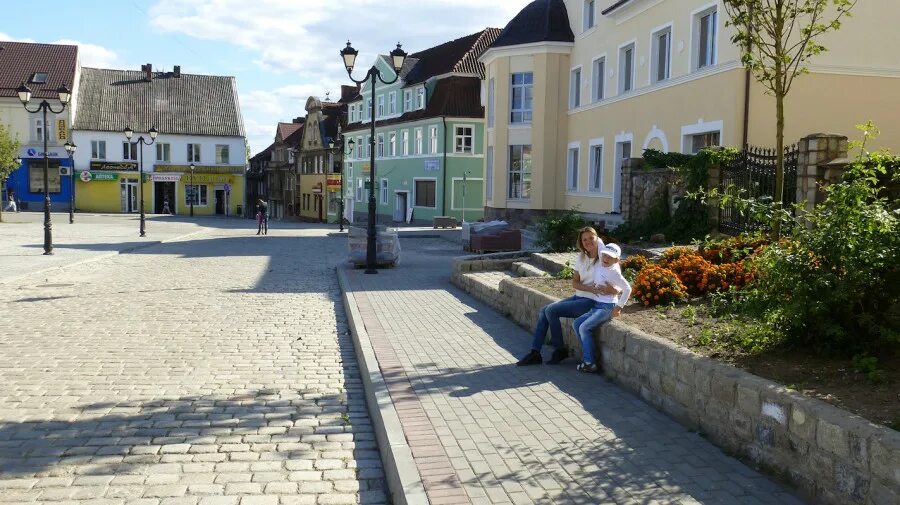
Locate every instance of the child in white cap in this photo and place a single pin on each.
(607, 306)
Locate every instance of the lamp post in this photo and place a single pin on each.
(64, 96)
(339, 147)
(398, 56)
(142, 142)
(193, 189)
(70, 148)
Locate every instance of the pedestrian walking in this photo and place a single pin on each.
(608, 306)
(262, 218)
(586, 296)
(166, 209)
(11, 204)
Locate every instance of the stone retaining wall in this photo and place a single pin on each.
(832, 455)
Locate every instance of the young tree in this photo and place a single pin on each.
(9, 150)
(777, 38)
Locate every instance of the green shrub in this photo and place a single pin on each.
(558, 231)
(567, 272)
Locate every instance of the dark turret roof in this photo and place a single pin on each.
(539, 21)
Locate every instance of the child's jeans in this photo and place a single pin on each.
(584, 327)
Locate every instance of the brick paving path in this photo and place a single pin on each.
(543, 434)
(212, 370)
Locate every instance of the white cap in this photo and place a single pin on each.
(611, 250)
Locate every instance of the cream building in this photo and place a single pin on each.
(573, 87)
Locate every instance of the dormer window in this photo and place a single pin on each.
(39, 78)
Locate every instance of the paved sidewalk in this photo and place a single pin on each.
(484, 431)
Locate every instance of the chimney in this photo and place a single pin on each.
(348, 92)
(298, 120)
(148, 72)
(177, 72)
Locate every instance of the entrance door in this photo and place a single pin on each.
(164, 192)
(319, 201)
(129, 192)
(400, 206)
(623, 152)
(220, 201)
(348, 210)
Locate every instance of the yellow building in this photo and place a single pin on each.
(571, 90)
(317, 199)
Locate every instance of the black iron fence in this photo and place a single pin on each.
(752, 175)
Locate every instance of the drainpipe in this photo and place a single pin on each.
(444, 192)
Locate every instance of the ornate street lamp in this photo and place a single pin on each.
(193, 190)
(335, 148)
(142, 142)
(70, 148)
(64, 96)
(398, 56)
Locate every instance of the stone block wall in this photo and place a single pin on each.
(833, 456)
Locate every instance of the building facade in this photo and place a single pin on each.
(573, 88)
(429, 136)
(258, 180)
(43, 68)
(199, 156)
(319, 183)
(282, 169)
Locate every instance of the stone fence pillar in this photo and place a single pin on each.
(821, 161)
(629, 166)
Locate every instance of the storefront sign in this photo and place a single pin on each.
(62, 133)
(432, 165)
(166, 177)
(34, 152)
(333, 182)
(201, 169)
(122, 166)
(365, 168)
(206, 178)
(86, 176)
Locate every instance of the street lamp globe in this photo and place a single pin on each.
(65, 94)
(153, 132)
(398, 56)
(70, 147)
(349, 56)
(129, 132)
(24, 93)
(331, 144)
(351, 144)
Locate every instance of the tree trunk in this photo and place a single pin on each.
(779, 162)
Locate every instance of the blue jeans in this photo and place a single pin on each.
(584, 327)
(571, 307)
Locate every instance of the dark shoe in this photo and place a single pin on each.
(588, 368)
(532, 358)
(558, 355)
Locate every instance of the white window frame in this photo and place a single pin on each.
(407, 100)
(194, 152)
(655, 34)
(489, 173)
(404, 142)
(132, 150)
(490, 103)
(165, 149)
(414, 191)
(201, 198)
(527, 112)
(98, 149)
(392, 103)
(383, 191)
(433, 139)
(419, 142)
(360, 190)
(523, 197)
(589, 21)
(620, 139)
(369, 147)
(359, 148)
(379, 106)
(368, 110)
(379, 145)
(575, 86)
(595, 165)
(392, 144)
(573, 162)
(223, 149)
(698, 128)
(39, 134)
(631, 44)
(696, 16)
(457, 137)
(598, 78)
(420, 98)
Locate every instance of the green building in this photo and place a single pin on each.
(429, 137)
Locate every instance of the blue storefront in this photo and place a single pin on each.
(26, 184)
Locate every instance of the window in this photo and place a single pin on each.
(359, 147)
(420, 98)
(462, 140)
(39, 133)
(164, 152)
(222, 154)
(489, 173)
(407, 100)
(369, 146)
(193, 153)
(129, 151)
(520, 108)
(519, 172)
(392, 144)
(379, 110)
(432, 140)
(589, 14)
(598, 76)
(595, 175)
(379, 151)
(575, 88)
(39, 78)
(425, 191)
(572, 169)
(98, 149)
(661, 58)
(368, 110)
(626, 68)
(418, 147)
(392, 103)
(359, 190)
(702, 140)
(384, 191)
(705, 38)
(404, 142)
(197, 193)
(490, 104)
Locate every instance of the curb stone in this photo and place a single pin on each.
(403, 479)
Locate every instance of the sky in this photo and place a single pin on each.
(279, 51)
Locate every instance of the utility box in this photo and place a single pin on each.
(387, 246)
